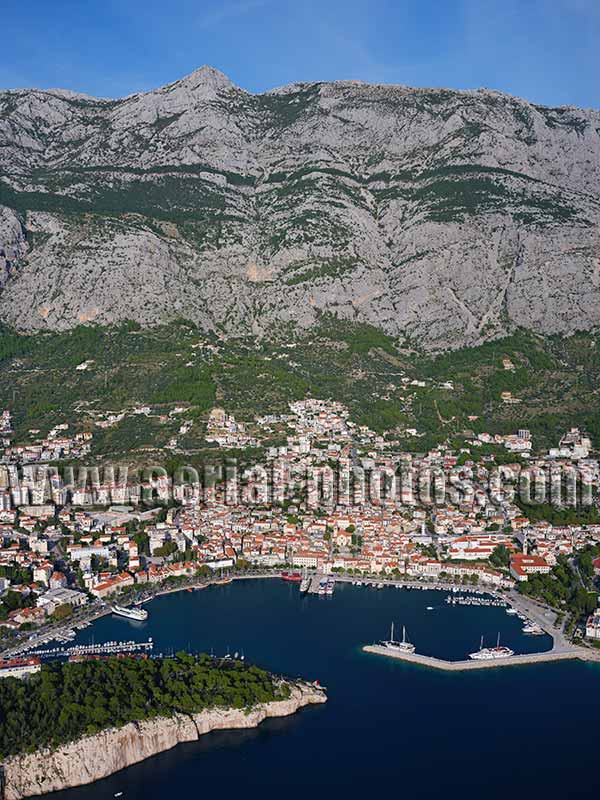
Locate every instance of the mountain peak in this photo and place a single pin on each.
(447, 217)
(205, 76)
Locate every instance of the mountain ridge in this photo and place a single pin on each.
(446, 216)
(214, 71)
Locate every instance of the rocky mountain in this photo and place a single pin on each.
(445, 216)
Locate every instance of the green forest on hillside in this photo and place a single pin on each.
(379, 378)
(66, 701)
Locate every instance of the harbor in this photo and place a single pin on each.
(538, 622)
(250, 616)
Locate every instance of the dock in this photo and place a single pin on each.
(106, 648)
(315, 581)
(321, 584)
(461, 666)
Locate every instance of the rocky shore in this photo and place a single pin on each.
(102, 754)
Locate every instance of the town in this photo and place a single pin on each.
(66, 549)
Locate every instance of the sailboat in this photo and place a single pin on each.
(401, 647)
(488, 653)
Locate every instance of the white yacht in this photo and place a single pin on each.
(137, 614)
(401, 647)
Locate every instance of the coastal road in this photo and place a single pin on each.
(545, 618)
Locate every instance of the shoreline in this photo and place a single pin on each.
(99, 613)
(562, 648)
(94, 757)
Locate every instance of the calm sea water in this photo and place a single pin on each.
(387, 727)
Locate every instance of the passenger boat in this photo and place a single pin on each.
(136, 614)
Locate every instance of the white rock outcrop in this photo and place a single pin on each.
(95, 757)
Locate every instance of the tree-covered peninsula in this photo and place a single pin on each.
(63, 702)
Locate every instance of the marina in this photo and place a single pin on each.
(105, 648)
(476, 600)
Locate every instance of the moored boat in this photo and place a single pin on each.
(136, 614)
(400, 647)
(294, 577)
(491, 653)
(533, 629)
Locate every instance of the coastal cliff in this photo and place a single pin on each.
(95, 757)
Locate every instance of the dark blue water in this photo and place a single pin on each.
(388, 726)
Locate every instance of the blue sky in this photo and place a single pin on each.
(543, 50)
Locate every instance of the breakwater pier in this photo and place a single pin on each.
(460, 666)
(562, 654)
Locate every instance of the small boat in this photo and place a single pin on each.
(118, 794)
(533, 629)
(429, 608)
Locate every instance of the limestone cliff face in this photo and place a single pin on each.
(13, 245)
(98, 756)
(449, 216)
